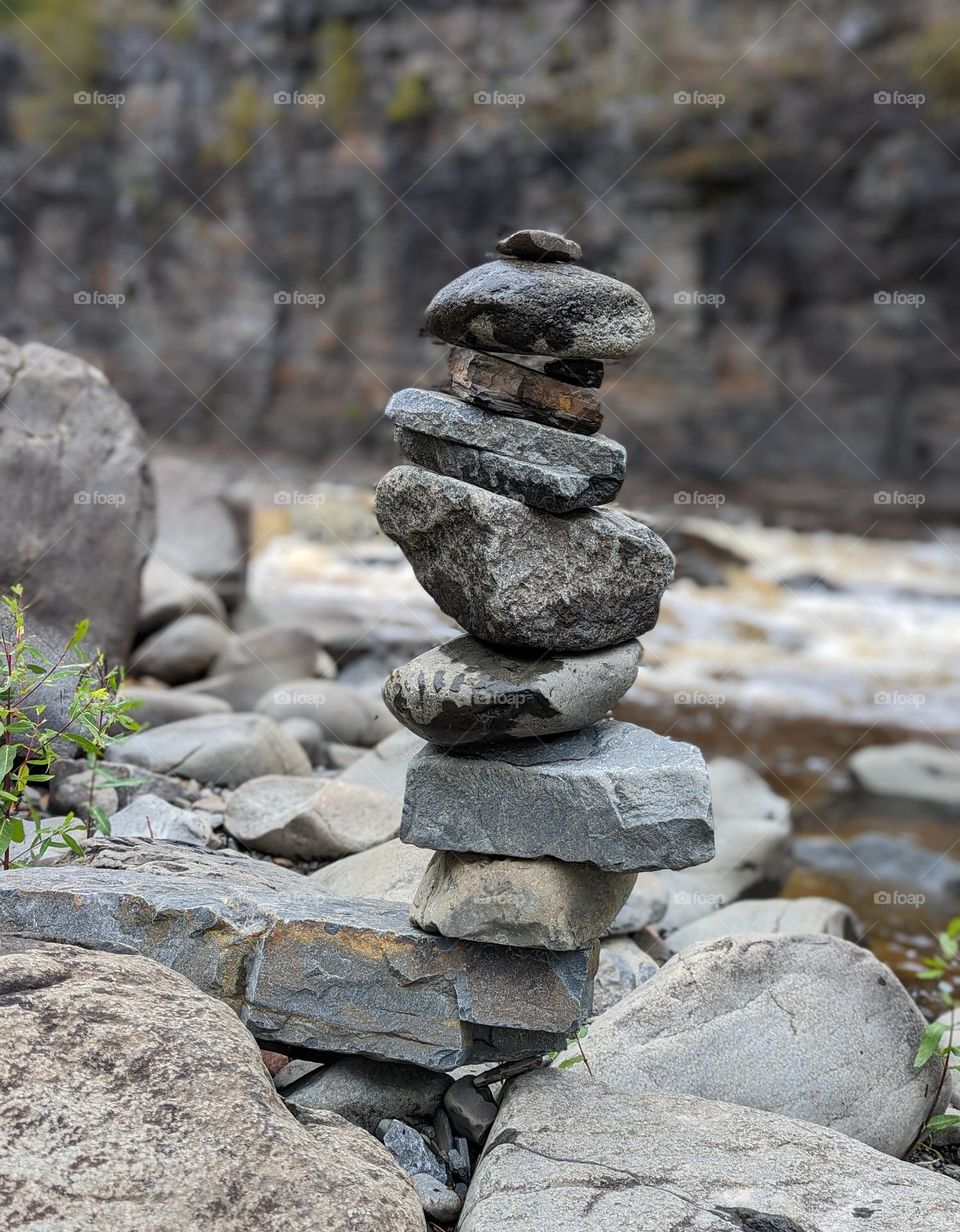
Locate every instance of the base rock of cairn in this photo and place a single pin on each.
(541, 810)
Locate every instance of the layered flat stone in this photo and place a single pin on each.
(535, 245)
(305, 971)
(508, 388)
(613, 795)
(530, 462)
(537, 308)
(467, 691)
(518, 576)
(545, 903)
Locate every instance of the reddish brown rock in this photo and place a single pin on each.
(509, 388)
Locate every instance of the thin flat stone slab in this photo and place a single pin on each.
(508, 388)
(530, 462)
(521, 577)
(305, 970)
(467, 691)
(571, 1154)
(534, 308)
(613, 795)
(534, 245)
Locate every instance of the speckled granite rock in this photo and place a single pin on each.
(546, 903)
(544, 467)
(304, 969)
(131, 1101)
(520, 577)
(535, 308)
(469, 692)
(613, 795)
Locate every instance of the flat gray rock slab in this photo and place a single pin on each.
(535, 308)
(812, 1027)
(571, 1155)
(134, 1103)
(391, 871)
(532, 244)
(149, 816)
(305, 970)
(770, 915)
(365, 1092)
(467, 691)
(215, 748)
(546, 903)
(385, 766)
(913, 770)
(541, 466)
(517, 576)
(614, 795)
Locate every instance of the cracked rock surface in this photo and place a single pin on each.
(614, 795)
(521, 577)
(568, 1154)
(299, 966)
(813, 1027)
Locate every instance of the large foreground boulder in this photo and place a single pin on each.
(813, 1027)
(305, 970)
(568, 1154)
(79, 501)
(134, 1103)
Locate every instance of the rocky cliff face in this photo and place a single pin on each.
(277, 187)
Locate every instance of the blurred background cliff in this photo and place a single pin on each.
(239, 210)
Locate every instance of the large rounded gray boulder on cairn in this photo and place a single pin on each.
(134, 1103)
(533, 308)
(613, 795)
(521, 577)
(570, 1154)
(812, 1027)
(467, 692)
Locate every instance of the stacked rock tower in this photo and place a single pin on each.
(541, 810)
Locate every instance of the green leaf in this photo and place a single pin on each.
(949, 946)
(953, 928)
(17, 832)
(72, 843)
(79, 633)
(8, 755)
(569, 1061)
(929, 1043)
(583, 1033)
(944, 1121)
(87, 745)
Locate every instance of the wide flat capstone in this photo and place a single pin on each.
(304, 969)
(614, 795)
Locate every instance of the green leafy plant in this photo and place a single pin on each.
(932, 1044)
(30, 744)
(566, 1063)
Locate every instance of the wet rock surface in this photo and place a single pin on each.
(467, 691)
(520, 577)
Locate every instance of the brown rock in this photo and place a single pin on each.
(509, 388)
(534, 245)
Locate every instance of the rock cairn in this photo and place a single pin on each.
(540, 809)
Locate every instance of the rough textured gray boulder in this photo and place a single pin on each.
(535, 308)
(410, 1151)
(545, 467)
(156, 706)
(391, 871)
(150, 817)
(621, 967)
(79, 500)
(134, 1103)
(813, 1027)
(613, 795)
(571, 1155)
(345, 715)
(534, 245)
(913, 770)
(770, 915)
(182, 650)
(439, 1203)
(517, 390)
(215, 748)
(520, 577)
(385, 766)
(305, 970)
(365, 1091)
(646, 904)
(544, 903)
(468, 692)
(306, 818)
